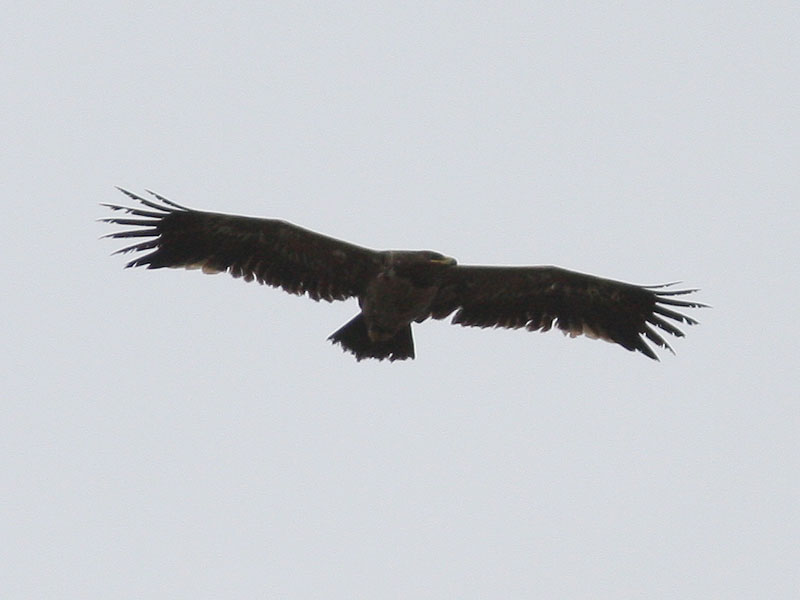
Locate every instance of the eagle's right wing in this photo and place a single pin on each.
(270, 251)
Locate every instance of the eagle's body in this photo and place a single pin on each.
(402, 291)
(397, 288)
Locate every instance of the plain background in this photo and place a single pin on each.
(169, 435)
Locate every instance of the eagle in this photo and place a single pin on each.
(396, 288)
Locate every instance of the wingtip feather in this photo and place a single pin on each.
(166, 201)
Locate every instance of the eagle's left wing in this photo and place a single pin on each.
(270, 251)
(537, 298)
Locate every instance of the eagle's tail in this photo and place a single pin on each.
(353, 338)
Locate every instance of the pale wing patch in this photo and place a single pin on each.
(593, 333)
(204, 266)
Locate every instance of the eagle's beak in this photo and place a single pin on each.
(445, 260)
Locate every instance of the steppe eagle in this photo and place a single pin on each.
(395, 288)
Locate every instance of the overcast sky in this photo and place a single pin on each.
(165, 434)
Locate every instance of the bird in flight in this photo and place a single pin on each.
(396, 288)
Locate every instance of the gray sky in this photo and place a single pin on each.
(167, 434)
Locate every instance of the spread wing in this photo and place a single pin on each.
(270, 251)
(537, 298)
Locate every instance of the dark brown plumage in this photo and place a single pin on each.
(396, 288)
